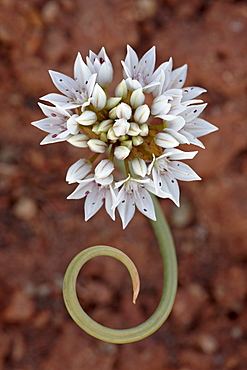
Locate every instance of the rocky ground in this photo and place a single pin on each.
(41, 231)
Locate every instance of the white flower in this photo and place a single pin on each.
(138, 74)
(166, 170)
(77, 91)
(55, 124)
(133, 193)
(101, 65)
(98, 190)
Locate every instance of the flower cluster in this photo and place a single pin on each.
(125, 127)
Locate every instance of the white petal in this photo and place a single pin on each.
(177, 154)
(199, 127)
(56, 99)
(182, 171)
(126, 207)
(123, 110)
(178, 136)
(52, 138)
(192, 92)
(83, 188)
(176, 123)
(94, 201)
(193, 111)
(145, 204)
(178, 77)
(87, 118)
(110, 197)
(64, 83)
(81, 71)
(99, 97)
(170, 185)
(142, 114)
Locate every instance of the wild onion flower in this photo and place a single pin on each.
(125, 127)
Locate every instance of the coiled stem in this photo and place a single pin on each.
(164, 308)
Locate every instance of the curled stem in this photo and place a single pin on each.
(164, 308)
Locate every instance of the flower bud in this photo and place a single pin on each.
(121, 90)
(137, 140)
(79, 140)
(87, 118)
(95, 129)
(121, 127)
(105, 125)
(104, 169)
(78, 170)
(142, 113)
(112, 113)
(112, 102)
(121, 152)
(123, 137)
(144, 129)
(97, 146)
(72, 124)
(123, 110)
(98, 97)
(127, 143)
(137, 98)
(139, 167)
(103, 137)
(165, 140)
(134, 129)
(111, 135)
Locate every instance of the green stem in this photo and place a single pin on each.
(164, 308)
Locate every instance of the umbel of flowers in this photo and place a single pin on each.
(144, 133)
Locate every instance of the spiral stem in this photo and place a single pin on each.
(164, 308)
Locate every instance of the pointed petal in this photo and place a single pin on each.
(94, 201)
(192, 92)
(144, 203)
(126, 207)
(64, 83)
(182, 171)
(78, 170)
(178, 77)
(82, 189)
(199, 127)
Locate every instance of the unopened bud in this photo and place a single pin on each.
(97, 146)
(137, 140)
(165, 140)
(72, 125)
(105, 125)
(112, 102)
(137, 98)
(79, 140)
(127, 143)
(87, 118)
(144, 129)
(123, 110)
(78, 170)
(111, 135)
(121, 152)
(95, 129)
(112, 113)
(103, 137)
(139, 167)
(98, 97)
(142, 114)
(121, 127)
(121, 89)
(134, 129)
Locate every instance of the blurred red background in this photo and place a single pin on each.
(41, 231)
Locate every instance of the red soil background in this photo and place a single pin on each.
(41, 231)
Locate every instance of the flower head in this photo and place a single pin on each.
(145, 135)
